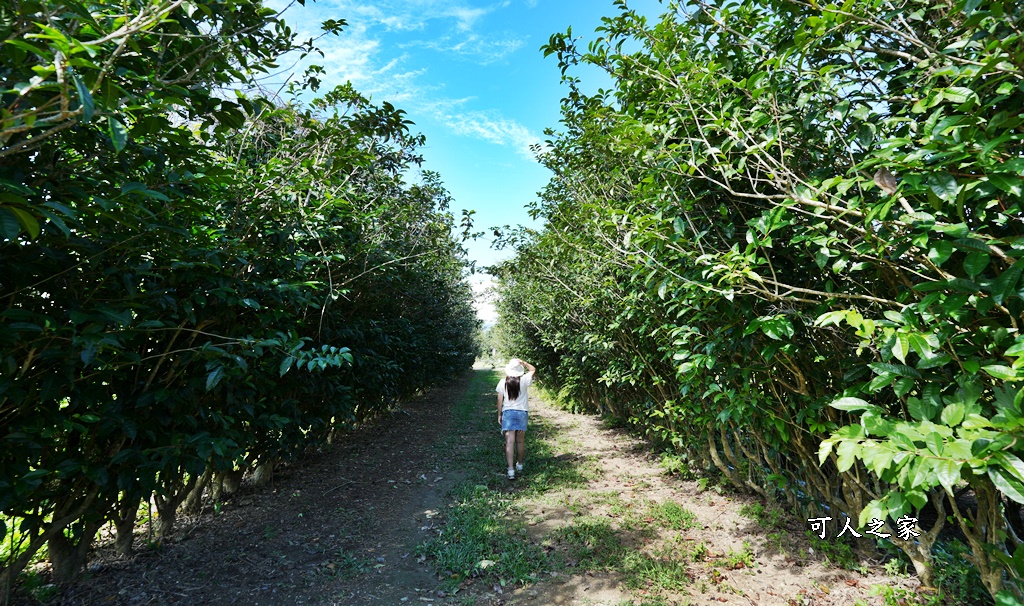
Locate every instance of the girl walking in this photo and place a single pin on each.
(513, 407)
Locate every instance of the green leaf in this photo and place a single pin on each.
(29, 223)
(922, 344)
(917, 498)
(903, 386)
(944, 185)
(933, 442)
(922, 410)
(1006, 483)
(1017, 348)
(850, 404)
(85, 97)
(901, 346)
(872, 511)
(214, 377)
(953, 414)
(824, 449)
(286, 365)
(959, 94)
(776, 327)
(940, 251)
(1000, 372)
(948, 473)
(902, 370)
(847, 454)
(118, 133)
(1009, 183)
(1006, 284)
(10, 227)
(975, 263)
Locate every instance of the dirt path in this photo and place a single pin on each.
(731, 559)
(343, 527)
(339, 528)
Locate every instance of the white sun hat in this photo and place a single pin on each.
(514, 368)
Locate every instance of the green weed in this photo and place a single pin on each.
(482, 537)
(836, 552)
(673, 515)
(735, 560)
(698, 552)
(956, 576)
(895, 596)
(770, 517)
(663, 573)
(673, 464)
(590, 543)
(345, 565)
(35, 585)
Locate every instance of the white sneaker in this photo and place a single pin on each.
(519, 468)
(511, 474)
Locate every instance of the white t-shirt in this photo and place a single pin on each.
(520, 403)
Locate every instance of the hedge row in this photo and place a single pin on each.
(787, 243)
(196, 281)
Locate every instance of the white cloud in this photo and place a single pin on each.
(409, 15)
(492, 128)
(484, 50)
(358, 56)
(468, 16)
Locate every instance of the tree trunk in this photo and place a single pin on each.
(194, 502)
(167, 507)
(67, 556)
(264, 473)
(124, 523)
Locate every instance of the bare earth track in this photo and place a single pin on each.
(342, 528)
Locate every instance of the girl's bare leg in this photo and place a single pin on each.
(510, 445)
(521, 445)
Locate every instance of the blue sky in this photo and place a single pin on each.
(471, 75)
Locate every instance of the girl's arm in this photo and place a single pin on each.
(530, 368)
(500, 398)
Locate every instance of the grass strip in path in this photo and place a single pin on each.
(491, 540)
(485, 535)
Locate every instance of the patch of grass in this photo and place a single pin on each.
(673, 515)
(35, 585)
(662, 573)
(699, 552)
(345, 565)
(485, 534)
(896, 596)
(649, 601)
(770, 517)
(736, 560)
(482, 537)
(837, 553)
(589, 543)
(776, 542)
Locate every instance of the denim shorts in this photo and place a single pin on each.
(513, 420)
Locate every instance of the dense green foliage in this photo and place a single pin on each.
(195, 282)
(787, 244)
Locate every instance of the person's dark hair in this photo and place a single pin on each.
(512, 387)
